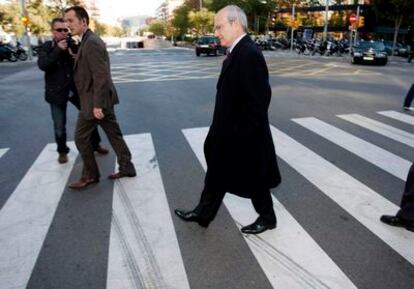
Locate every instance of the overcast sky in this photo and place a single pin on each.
(110, 10)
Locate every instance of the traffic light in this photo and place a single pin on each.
(25, 20)
(361, 21)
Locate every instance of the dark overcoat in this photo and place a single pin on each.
(92, 75)
(58, 67)
(239, 149)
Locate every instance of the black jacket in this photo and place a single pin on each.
(58, 67)
(239, 149)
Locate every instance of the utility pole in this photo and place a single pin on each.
(356, 27)
(26, 30)
(292, 28)
(325, 28)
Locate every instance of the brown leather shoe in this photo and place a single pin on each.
(102, 150)
(83, 183)
(119, 175)
(63, 158)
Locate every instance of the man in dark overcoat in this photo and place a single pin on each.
(92, 75)
(239, 149)
(405, 216)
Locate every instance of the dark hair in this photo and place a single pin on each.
(80, 13)
(57, 19)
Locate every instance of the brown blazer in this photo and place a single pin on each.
(92, 75)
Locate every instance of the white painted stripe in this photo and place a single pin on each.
(381, 158)
(144, 251)
(26, 216)
(289, 257)
(398, 116)
(364, 204)
(3, 151)
(380, 128)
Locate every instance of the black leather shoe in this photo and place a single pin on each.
(101, 150)
(119, 175)
(191, 216)
(397, 222)
(257, 227)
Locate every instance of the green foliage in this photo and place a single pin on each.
(158, 28)
(181, 21)
(40, 15)
(202, 22)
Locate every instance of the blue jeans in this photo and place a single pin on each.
(409, 97)
(59, 124)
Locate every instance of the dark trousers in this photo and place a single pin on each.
(407, 202)
(59, 125)
(211, 200)
(410, 96)
(83, 134)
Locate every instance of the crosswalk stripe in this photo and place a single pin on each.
(380, 128)
(26, 216)
(3, 151)
(383, 159)
(144, 251)
(364, 204)
(289, 257)
(398, 116)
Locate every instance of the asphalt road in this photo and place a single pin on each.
(341, 168)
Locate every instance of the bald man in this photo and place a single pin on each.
(239, 150)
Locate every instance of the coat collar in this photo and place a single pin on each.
(85, 36)
(233, 54)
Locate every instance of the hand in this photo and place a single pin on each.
(97, 113)
(62, 44)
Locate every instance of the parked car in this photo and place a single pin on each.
(400, 49)
(208, 44)
(369, 52)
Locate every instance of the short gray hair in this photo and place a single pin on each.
(236, 14)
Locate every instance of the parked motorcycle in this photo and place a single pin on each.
(6, 52)
(20, 51)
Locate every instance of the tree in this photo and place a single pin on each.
(158, 28)
(193, 5)
(181, 21)
(202, 21)
(396, 10)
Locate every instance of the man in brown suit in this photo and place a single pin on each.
(98, 96)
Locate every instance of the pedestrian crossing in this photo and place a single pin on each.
(144, 251)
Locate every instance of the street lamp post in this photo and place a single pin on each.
(292, 28)
(325, 28)
(26, 31)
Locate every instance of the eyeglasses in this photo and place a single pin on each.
(62, 30)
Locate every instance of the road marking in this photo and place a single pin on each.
(398, 116)
(380, 128)
(143, 251)
(26, 216)
(3, 151)
(383, 159)
(289, 257)
(364, 204)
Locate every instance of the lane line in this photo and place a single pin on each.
(379, 157)
(288, 255)
(380, 128)
(144, 250)
(398, 116)
(3, 151)
(364, 204)
(26, 216)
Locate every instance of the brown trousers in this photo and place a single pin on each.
(83, 133)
